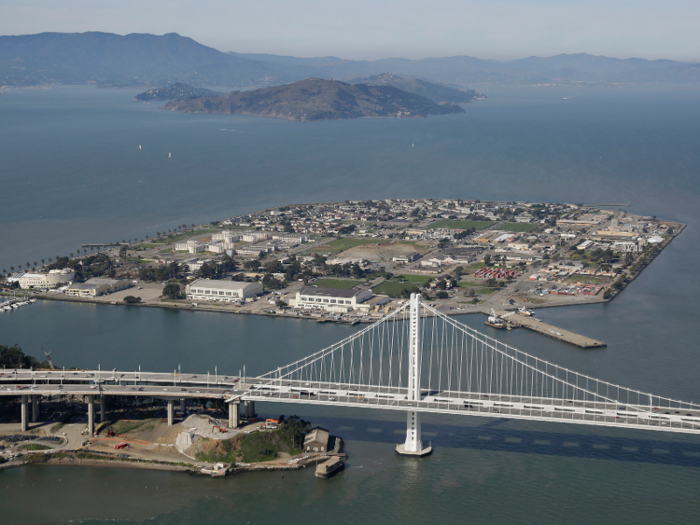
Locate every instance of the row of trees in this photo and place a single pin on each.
(14, 357)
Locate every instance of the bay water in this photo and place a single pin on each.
(71, 172)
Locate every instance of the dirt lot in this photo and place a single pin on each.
(380, 252)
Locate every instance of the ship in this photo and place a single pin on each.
(496, 322)
(329, 468)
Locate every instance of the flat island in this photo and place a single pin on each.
(355, 261)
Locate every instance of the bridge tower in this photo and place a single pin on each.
(413, 446)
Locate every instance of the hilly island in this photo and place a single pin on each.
(318, 99)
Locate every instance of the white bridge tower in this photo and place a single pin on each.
(413, 445)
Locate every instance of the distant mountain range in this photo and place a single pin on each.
(111, 60)
(318, 99)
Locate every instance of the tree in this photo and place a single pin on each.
(130, 299)
(442, 294)
(281, 304)
(487, 260)
(171, 291)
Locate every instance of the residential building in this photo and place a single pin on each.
(225, 291)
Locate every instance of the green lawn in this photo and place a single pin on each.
(466, 284)
(344, 284)
(188, 235)
(461, 225)
(519, 227)
(340, 245)
(485, 291)
(411, 278)
(391, 288)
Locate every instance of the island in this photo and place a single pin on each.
(318, 99)
(502, 259)
(418, 86)
(177, 91)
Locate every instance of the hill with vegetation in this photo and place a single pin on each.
(318, 99)
(176, 91)
(417, 86)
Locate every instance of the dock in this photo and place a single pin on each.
(517, 320)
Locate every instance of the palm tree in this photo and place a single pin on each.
(50, 259)
(35, 263)
(28, 264)
(12, 268)
(71, 255)
(146, 236)
(42, 261)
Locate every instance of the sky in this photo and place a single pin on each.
(372, 29)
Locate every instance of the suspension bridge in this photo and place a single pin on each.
(415, 360)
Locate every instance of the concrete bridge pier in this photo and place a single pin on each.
(183, 407)
(91, 414)
(103, 408)
(234, 415)
(35, 408)
(25, 413)
(250, 409)
(171, 412)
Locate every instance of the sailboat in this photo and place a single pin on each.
(170, 155)
(139, 146)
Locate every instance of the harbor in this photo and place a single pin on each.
(520, 319)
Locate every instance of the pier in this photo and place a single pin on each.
(517, 320)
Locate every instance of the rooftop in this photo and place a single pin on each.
(225, 285)
(329, 292)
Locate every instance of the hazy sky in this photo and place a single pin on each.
(370, 29)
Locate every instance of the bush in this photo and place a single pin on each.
(130, 299)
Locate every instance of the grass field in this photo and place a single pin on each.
(344, 284)
(411, 278)
(391, 288)
(519, 227)
(486, 291)
(466, 284)
(461, 225)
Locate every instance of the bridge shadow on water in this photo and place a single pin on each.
(493, 436)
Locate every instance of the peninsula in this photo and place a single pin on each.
(318, 99)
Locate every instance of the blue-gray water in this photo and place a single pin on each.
(70, 170)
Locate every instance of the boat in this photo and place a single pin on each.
(329, 468)
(139, 146)
(525, 311)
(496, 322)
(170, 155)
(217, 471)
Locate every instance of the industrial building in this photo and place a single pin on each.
(43, 280)
(223, 291)
(97, 286)
(330, 299)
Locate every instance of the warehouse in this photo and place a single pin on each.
(224, 291)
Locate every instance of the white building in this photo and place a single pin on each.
(190, 246)
(45, 280)
(291, 238)
(225, 291)
(225, 237)
(330, 299)
(97, 286)
(254, 236)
